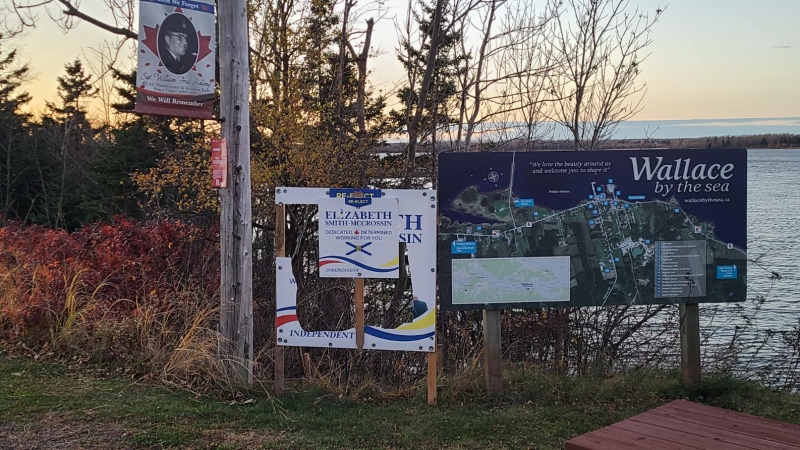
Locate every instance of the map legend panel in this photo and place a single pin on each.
(680, 269)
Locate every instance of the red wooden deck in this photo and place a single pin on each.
(686, 425)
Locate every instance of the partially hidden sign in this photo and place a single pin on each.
(219, 163)
(358, 237)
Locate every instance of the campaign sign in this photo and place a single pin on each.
(175, 73)
(359, 240)
(417, 218)
(619, 227)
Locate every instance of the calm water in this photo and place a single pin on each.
(773, 234)
(773, 245)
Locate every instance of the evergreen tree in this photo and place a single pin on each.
(68, 138)
(330, 84)
(75, 91)
(437, 104)
(17, 179)
(131, 147)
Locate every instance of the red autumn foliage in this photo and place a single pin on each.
(119, 267)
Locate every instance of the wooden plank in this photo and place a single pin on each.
(690, 343)
(683, 424)
(613, 438)
(594, 441)
(706, 430)
(724, 416)
(685, 405)
(692, 435)
(742, 423)
(306, 357)
(359, 294)
(280, 251)
(492, 351)
(432, 378)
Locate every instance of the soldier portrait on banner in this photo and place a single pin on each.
(177, 44)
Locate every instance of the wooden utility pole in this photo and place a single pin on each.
(236, 230)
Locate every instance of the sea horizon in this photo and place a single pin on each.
(698, 128)
(648, 129)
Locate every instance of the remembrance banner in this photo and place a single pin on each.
(175, 74)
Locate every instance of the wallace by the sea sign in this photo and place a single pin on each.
(592, 228)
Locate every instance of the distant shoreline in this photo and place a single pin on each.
(758, 142)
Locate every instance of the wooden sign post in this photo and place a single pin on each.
(690, 343)
(280, 251)
(359, 295)
(492, 348)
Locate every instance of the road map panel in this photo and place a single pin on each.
(626, 221)
(510, 280)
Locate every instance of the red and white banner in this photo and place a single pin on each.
(219, 163)
(175, 75)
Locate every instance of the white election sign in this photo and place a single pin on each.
(358, 237)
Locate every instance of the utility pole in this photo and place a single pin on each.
(236, 229)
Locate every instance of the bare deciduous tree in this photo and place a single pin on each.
(502, 83)
(603, 44)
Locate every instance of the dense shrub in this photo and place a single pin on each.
(122, 291)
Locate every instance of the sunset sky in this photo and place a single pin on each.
(710, 58)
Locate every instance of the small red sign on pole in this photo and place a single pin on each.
(219, 162)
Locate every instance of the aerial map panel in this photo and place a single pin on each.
(620, 227)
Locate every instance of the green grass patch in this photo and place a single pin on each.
(51, 403)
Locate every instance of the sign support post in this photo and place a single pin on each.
(690, 343)
(432, 377)
(492, 347)
(280, 251)
(359, 295)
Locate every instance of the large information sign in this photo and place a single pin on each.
(358, 237)
(534, 229)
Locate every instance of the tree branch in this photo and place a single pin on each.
(75, 12)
